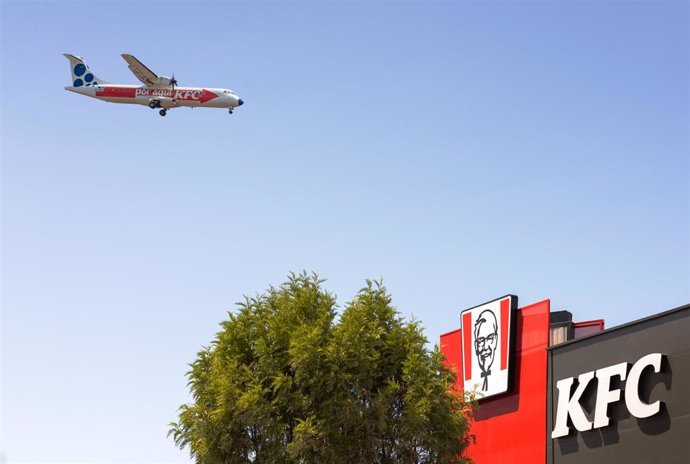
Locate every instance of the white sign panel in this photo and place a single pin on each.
(487, 341)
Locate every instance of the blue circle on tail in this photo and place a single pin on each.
(78, 83)
(88, 77)
(79, 69)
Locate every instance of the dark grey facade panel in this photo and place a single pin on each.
(661, 438)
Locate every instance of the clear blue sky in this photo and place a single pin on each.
(460, 151)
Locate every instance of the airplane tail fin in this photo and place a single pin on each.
(81, 74)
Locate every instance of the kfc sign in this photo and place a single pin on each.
(569, 405)
(487, 346)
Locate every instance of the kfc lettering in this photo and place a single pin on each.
(176, 94)
(570, 406)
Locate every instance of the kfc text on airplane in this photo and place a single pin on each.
(157, 92)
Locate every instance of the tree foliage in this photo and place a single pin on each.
(284, 382)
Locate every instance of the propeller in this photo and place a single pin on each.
(173, 81)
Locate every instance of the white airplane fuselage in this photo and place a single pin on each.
(161, 97)
(158, 92)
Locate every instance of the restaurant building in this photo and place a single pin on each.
(555, 391)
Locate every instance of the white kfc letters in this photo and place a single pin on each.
(569, 406)
(632, 397)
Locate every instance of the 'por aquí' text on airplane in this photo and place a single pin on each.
(157, 92)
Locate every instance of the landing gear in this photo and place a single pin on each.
(153, 104)
(230, 111)
(163, 112)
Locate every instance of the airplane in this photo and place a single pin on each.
(158, 92)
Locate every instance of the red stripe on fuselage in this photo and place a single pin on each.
(117, 92)
(180, 93)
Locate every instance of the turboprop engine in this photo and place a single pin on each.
(164, 80)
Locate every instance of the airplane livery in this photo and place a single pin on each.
(158, 92)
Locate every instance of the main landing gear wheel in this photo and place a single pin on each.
(153, 105)
(230, 111)
(163, 112)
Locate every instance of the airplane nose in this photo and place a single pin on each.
(240, 102)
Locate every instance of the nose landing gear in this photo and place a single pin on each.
(230, 111)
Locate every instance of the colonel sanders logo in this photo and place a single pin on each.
(485, 342)
(486, 345)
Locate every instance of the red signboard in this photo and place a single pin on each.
(511, 428)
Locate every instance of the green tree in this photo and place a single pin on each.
(284, 382)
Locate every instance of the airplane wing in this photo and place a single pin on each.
(143, 73)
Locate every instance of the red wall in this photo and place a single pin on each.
(512, 428)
